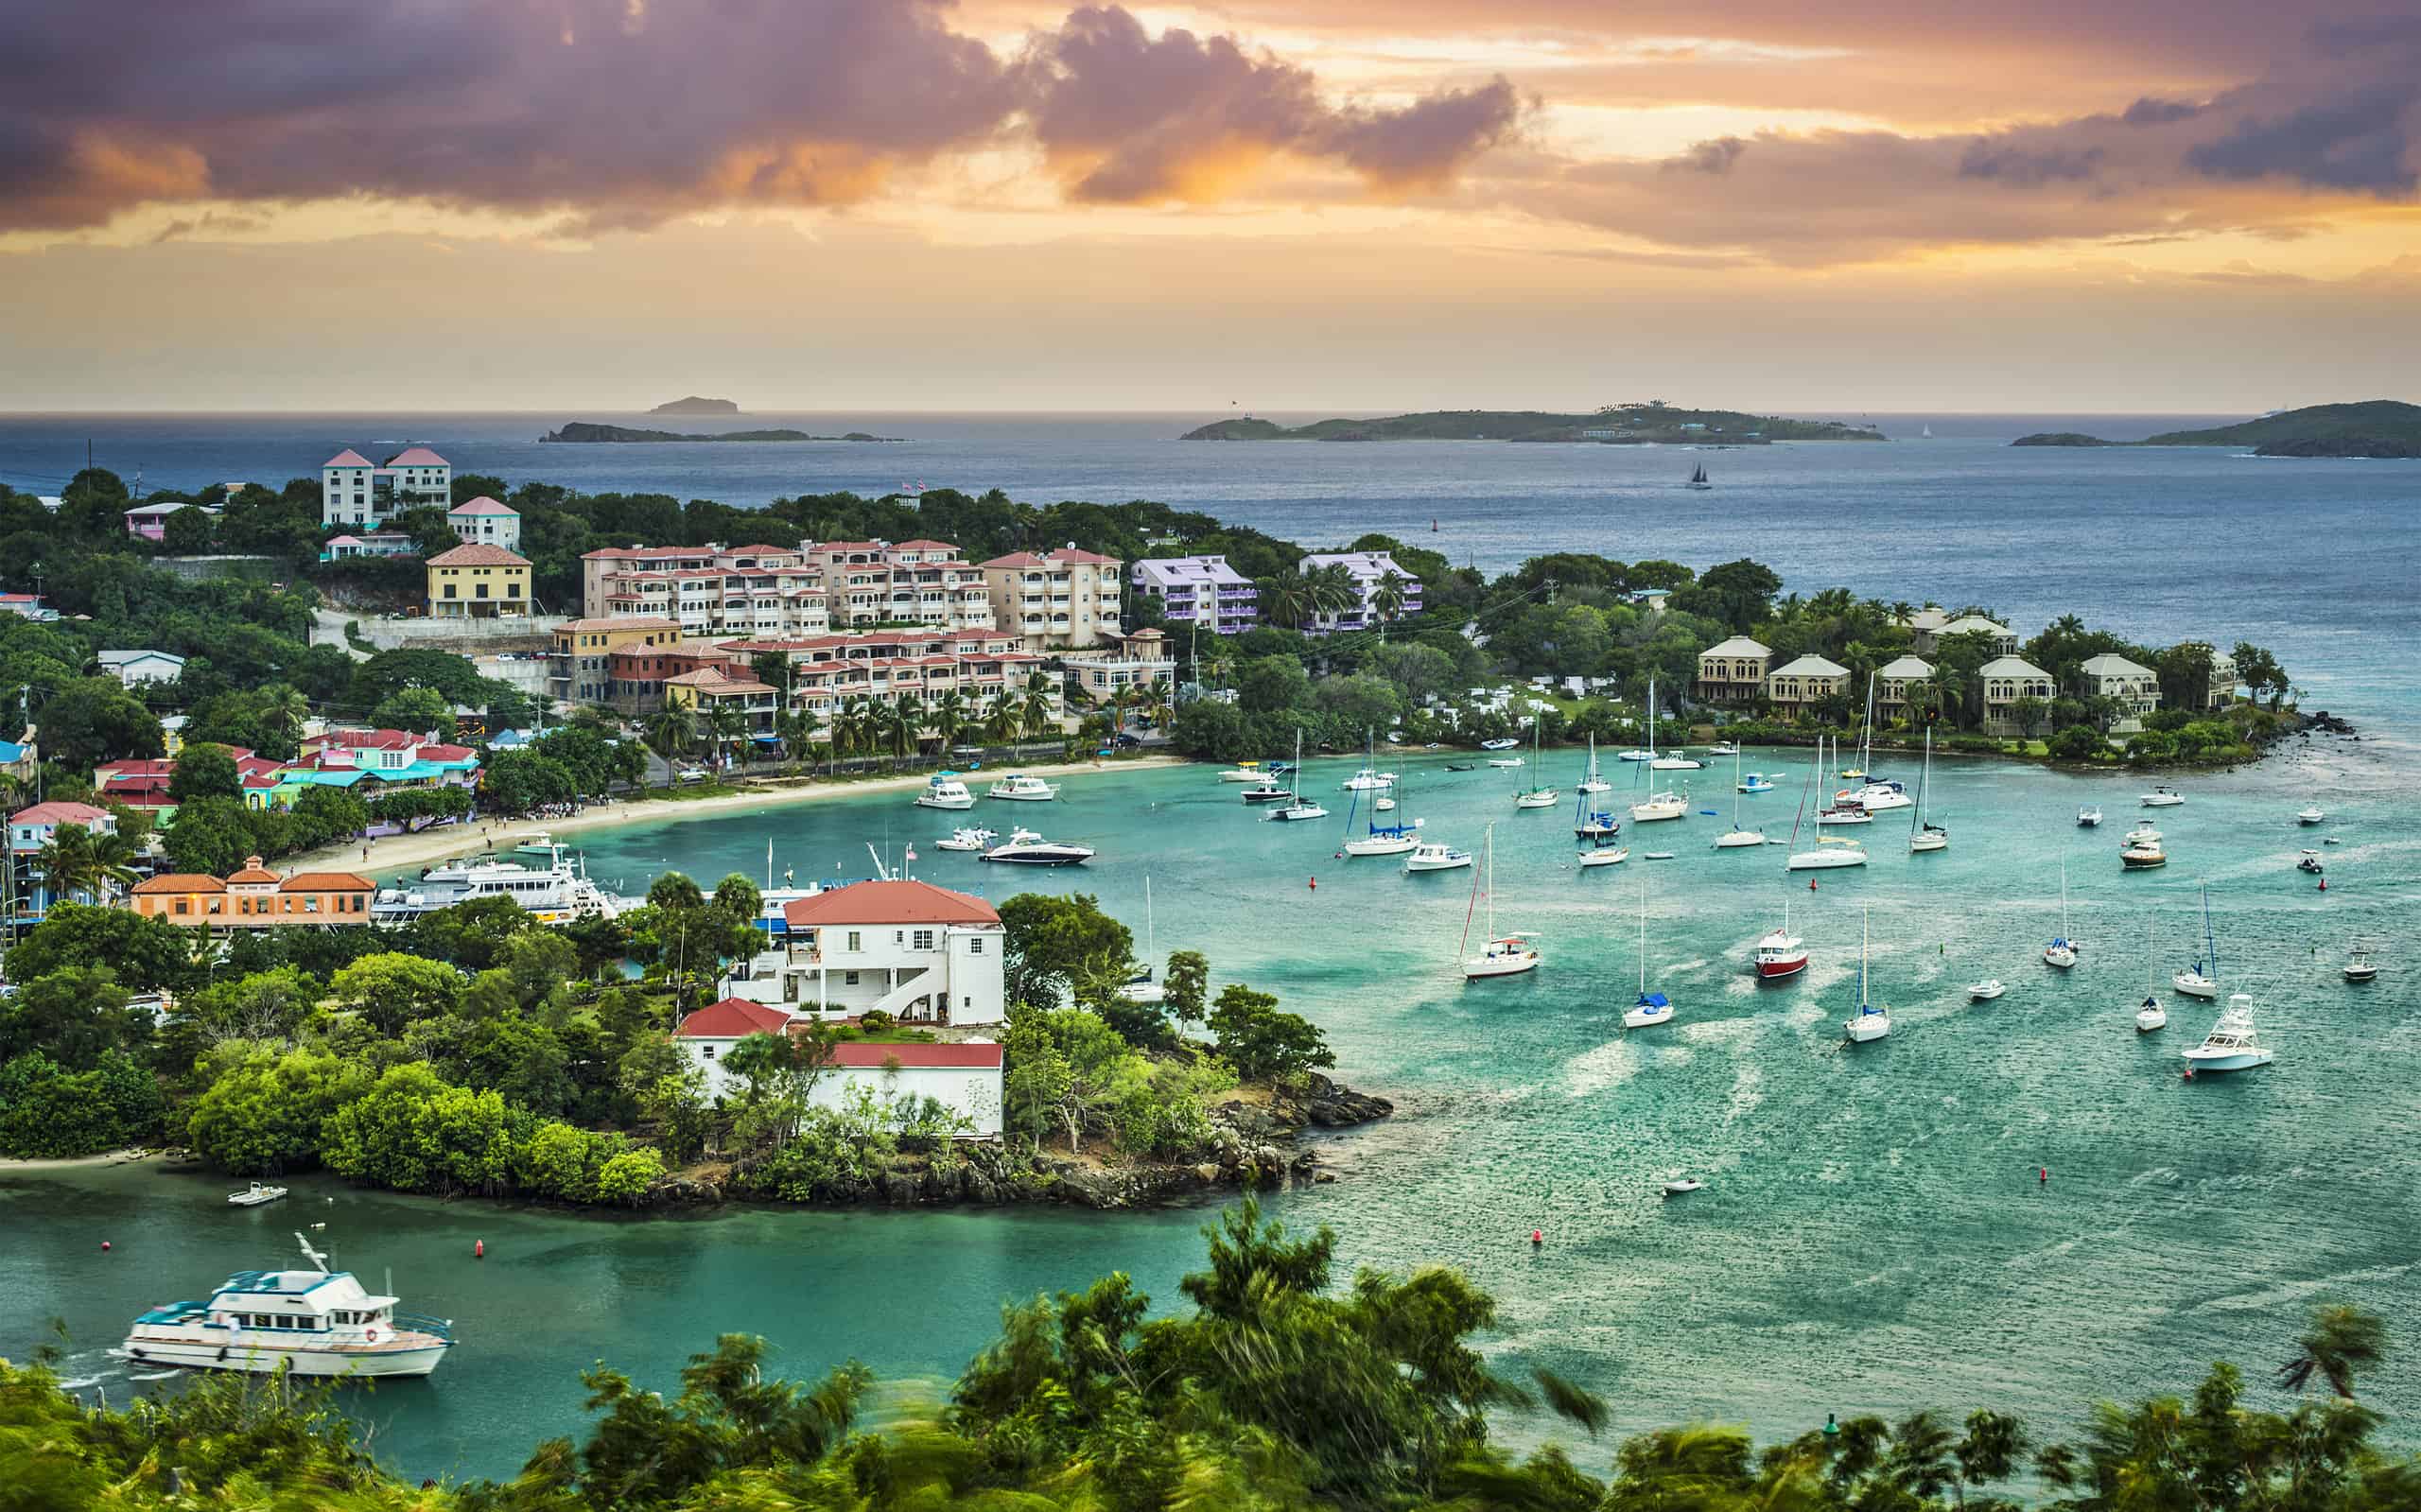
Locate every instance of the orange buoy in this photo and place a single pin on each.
(1811, 884)
(479, 1249)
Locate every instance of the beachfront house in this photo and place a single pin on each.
(581, 668)
(965, 1078)
(1797, 686)
(2135, 686)
(2005, 681)
(2004, 640)
(1134, 661)
(921, 953)
(1733, 671)
(1895, 681)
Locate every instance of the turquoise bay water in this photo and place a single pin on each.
(1872, 1236)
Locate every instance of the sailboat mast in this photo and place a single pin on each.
(1643, 935)
(1862, 917)
(1488, 884)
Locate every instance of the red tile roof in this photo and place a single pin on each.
(857, 1054)
(480, 554)
(59, 812)
(327, 883)
(180, 882)
(732, 1019)
(1072, 555)
(1016, 559)
(622, 622)
(888, 902)
(252, 871)
(362, 740)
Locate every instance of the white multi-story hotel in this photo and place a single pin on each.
(1064, 601)
(355, 491)
(787, 590)
(921, 953)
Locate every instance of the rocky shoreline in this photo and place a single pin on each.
(1254, 1146)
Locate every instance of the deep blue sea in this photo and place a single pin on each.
(1874, 1236)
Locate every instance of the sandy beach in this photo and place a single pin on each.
(396, 853)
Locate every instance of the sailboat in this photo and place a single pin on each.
(1876, 794)
(1541, 796)
(1698, 479)
(1297, 806)
(1590, 823)
(1736, 837)
(1665, 804)
(1868, 1022)
(2199, 982)
(1652, 1008)
(1780, 953)
(1141, 988)
(2061, 951)
(1504, 955)
(1844, 852)
(2152, 1015)
(1925, 433)
(1592, 782)
(1380, 839)
(1842, 810)
(1923, 836)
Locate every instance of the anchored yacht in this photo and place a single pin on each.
(555, 892)
(314, 1322)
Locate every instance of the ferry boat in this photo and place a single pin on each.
(946, 791)
(1018, 786)
(314, 1322)
(555, 894)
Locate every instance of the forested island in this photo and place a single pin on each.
(2375, 428)
(1652, 424)
(692, 405)
(584, 431)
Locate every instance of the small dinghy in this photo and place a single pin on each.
(1683, 1187)
(1986, 990)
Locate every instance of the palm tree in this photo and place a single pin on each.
(947, 717)
(1335, 589)
(1157, 703)
(670, 731)
(1002, 721)
(728, 724)
(2340, 1342)
(1039, 716)
(1287, 597)
(905, 719)
(1387, 599)
(78, 863)
(284, 708)
(797, 729)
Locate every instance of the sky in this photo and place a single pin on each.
(1276, 205)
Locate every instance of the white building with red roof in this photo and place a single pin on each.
(30, 830)
(921, 953)
(963, 1077)
(1062, 601)
(355, 491)
(485, 521)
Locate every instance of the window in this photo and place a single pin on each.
(856, 942)
(975, 946)
(924, 939)
(707, 1051)
(849, 979)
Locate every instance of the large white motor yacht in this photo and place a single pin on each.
(2232, 1044)
(555, 892)
(1025, 848)
(946, 791)
(314, 1322)
(1018, 786)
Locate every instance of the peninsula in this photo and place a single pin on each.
(692, 405)
(1652, 424)
(2375, 428)
(586, 431)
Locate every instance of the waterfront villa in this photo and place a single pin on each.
(1800, 685)
(1202, 591)
(2224, 678)
(710, 691)
(478, 583)
(1733, 671)
(2004, 640)
(2005, 681)
(484, 521)
(921, 953)
(369, 544)
(355, 491)
(1372, 571)
(1893, 682)
(256, 898)
(965, 1078)
(1135, 660)
(2135, 686)
(1062, 601)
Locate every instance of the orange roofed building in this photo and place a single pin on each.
(256, 898)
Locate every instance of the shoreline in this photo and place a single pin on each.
(398, 852)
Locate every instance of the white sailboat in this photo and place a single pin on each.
(1868, 1022)
(1652, 1008)
(1923, 836)
(1504, 955)
(1594, 782)
(2199, 982)
(1541, 796)
(2061, 951)
(1875, 796)
(1736, 838)
(2152, 1015)
(1380, 839)
(1141, 988)
(1664, 804)
(1297, 806)
(1842, 851)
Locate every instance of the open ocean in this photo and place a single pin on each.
(1873, 1236)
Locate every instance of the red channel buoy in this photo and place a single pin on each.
(1811, 884)
(2043, 1175)
(479, 1249)
(1316, 884)
(1538, 1237)
(105, 1243)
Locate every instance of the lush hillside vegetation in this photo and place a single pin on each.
(2375, 428)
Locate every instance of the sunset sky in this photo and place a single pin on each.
(1319, 204)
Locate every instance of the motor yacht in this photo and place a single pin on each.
(1025, 848)
(1676, 761)
(313, 1322)
(555, 894)
(1875, 798)
(971, 839)
(2088, 816)
(1780, 953)
(2142, 856)
(1367, 780)
(2162, 798)
(1268, 793)
(946, 791)
(2359, 966)
(1023, 789)
(1723, 748)
(2143, 834)
(2232, 1044)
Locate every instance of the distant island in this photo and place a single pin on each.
(695, 406)
(584, 431)
(2375, 428)
(1650, 424)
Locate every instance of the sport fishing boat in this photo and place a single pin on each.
(1368, 780)
(1268, 793)
(2232, 1044)
(2088, 816)
(973, 839)
(1245, 772)
(2359, 964)
(1025, 848)
(1780, 953)
(1017, 786)
(313, 1322)
(946, 791)
(555, 894)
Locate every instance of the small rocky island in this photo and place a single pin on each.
(2375, 428)
(581, 431)
(1644, 425)
(692, 405)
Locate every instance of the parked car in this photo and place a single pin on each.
(687, 775)
(1126, 741)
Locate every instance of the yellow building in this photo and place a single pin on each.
(478, 583)
(583, 653)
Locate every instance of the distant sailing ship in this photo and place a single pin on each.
(1925, 433)
(1698, 480)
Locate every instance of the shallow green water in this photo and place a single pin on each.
(1872, 1236)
